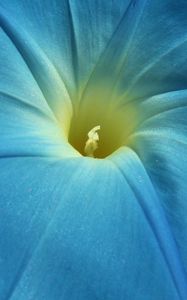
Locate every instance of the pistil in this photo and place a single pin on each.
(92, 142)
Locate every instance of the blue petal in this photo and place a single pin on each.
(150, 201)
(78, 32)
(80, 236)
(27, 118)
(146, 54)
(161, 143)
(42, 70)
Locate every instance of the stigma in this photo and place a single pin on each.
(92, 142)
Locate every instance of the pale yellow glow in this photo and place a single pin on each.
(116, 123)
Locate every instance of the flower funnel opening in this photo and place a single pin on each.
(115, 124)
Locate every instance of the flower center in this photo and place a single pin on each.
(115, 121)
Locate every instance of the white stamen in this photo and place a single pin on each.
(92, 142)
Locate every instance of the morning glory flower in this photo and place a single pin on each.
(93, 155)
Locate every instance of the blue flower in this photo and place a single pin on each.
(112, 226)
